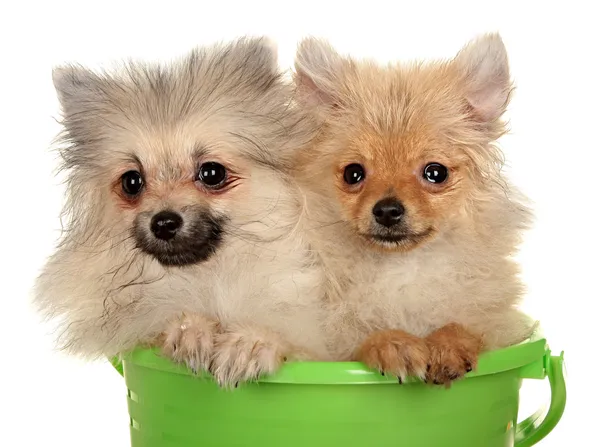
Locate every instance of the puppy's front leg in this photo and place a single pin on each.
(395, 352)
(246, 352)
(453, 352)
(190, 339)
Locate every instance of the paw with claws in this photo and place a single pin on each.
(395, 352)
(190, 339)
(245, 354)
(453, 352)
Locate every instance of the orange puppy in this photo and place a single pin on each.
(411, 216)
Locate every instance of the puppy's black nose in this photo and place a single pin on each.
(165, 224)
(388, 212)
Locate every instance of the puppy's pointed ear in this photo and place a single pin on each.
(265, 53)
(78, 89)
(250, 61)
(483, 67)
(259, 54)
(319, 69)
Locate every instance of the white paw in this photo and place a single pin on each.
(190, 340)
(240, 356)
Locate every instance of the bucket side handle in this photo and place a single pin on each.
(535, 428)
(117, 363)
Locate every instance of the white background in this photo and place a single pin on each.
(553, 154)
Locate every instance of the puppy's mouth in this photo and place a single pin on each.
(398, 238)
(196, 242)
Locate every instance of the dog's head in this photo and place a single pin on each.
(405, 148)
(167, 161)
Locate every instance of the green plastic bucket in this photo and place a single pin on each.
(341, 404)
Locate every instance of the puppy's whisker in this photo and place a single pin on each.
(320, 227)
(119, 270)
(253, 239)
(114, 244)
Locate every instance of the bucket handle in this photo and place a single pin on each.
(535, 428)
(117, 364)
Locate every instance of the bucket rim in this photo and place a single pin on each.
(528, 357)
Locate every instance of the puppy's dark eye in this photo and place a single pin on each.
(435, 173)
(132, 183)
(212, 174)
(354, 174)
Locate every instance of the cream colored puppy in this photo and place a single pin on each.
(183, 224)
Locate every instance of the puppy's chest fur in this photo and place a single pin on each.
(118, 298)
(267, 284)
(417, 291)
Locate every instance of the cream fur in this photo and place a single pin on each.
(262, 284)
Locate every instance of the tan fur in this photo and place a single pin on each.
(396, 352)
(226, 104)
(455, 265)
(453, 352)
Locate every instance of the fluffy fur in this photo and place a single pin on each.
(449, 260)
(236, 289)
